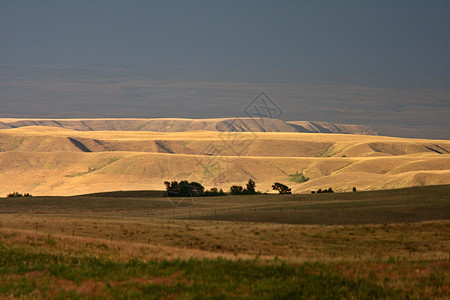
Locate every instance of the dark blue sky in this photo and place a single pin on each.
(364, 37)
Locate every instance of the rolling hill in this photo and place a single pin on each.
(45, 160)
(177, 125)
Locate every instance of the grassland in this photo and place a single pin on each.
(56, 161)
(380, 244)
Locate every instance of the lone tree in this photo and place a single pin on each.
(251, 187)
(281, 188)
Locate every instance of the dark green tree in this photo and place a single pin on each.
(251, 187)
(184, 189)
(196, 188)
(214, 192)
(281, 188)
(236, 190)
(329, 190)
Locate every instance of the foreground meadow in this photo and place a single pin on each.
(114, 246)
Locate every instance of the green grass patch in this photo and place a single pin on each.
(25, 273)
(299, 178)
(328, 152)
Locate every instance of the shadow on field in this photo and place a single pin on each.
(414, 204)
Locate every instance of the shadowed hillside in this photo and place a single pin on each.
(325, 127)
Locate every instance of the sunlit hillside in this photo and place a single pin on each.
(56, 161)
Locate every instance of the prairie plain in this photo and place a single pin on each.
(378, 244)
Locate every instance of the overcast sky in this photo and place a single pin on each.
(367, 37)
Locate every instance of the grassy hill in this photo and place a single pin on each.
(57, 161)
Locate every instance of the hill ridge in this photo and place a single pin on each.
(236, 124)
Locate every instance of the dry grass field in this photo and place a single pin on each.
(380, 244)
(136, 243)
(57, 161)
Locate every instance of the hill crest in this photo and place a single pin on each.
(180, 125)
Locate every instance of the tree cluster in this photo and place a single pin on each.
(320, 191)
(190, 189)
(184, 189)
(16, 194)
(249, 190)
(214, 192)
(194, 189)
